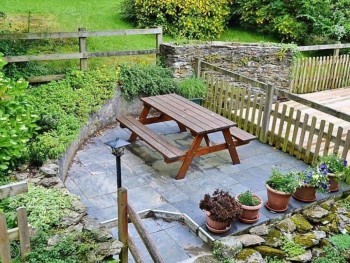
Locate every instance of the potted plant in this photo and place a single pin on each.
(193, 89)
(221, 209)
(334, 167)
(250, 203)
(280, 187)
(310, 181)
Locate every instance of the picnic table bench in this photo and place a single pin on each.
(189, 116)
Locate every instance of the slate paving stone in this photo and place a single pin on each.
(104, 214)
(191, 208)
(104, 201)
(133, 181)
(237, 188)
(223, 179)
(145, 197)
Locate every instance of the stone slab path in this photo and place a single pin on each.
(151, 184)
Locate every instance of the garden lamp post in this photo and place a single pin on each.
(118, 147)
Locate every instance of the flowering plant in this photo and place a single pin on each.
(314, 177)
(332, 164)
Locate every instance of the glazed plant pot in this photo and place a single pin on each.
(216, 226)
(305, 194)
(277, 201)
(250, 214)
(333, 183)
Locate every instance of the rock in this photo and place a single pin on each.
(102, 234)
(305, 257)
(302, 225)
(250, 240)
(89, 223)
(306, 240)
(48, 182)
(35, 181)
(22, 176)
(203, 259)
(77, 228)
(79, 207)
(317, 252)
(53, 240)
(329, 218)
(261, 230)
(315, 213)
(273, 238)
(227, 247)
(108, 248)
(286, 225)
(270, 251)
(71, 218)
(328, 205)
(248, 255)
(49, 169)
(319, 234)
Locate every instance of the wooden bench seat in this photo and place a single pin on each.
(241, 136)
(170, 152)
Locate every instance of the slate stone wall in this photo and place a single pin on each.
(266, 63)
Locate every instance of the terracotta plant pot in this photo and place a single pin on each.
(305, 194)
(277, 201)
(250, 214)
(216, 226)
(333, 183)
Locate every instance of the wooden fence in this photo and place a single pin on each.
(320, 73)
(83, 55)
(254, 110)
(22, 232)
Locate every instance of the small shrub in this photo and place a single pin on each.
(192, 88)
(45, 207)
(292, 249)
(147, 80)
(191, 19)
(332, 164)
(284, 182)
(314, 177)
(248, 199)
(331, 255)
(341, 241)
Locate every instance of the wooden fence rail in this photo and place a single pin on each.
(320, 73)
(22, 232)
(83, 53)
(278, 124)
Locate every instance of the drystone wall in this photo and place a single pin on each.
(267, 63)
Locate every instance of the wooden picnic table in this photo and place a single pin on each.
(189, 116)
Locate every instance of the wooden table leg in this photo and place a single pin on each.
(143, 115)
(231, 146)
(189, 156)
(207, 141)
(182, 128)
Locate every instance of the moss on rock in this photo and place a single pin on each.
(301, 223)
(270, 251)
(306, 240)
(274, 238)
(245, 253)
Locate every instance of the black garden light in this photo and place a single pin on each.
(118, 147)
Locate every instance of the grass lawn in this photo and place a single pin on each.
(69, 15)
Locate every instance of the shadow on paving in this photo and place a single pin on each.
(151, 184)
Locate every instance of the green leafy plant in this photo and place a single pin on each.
(45, 207)
(192, 88)
(332, 164)
(341, 241)
(275, 260)
(221, 206)
(314, 177)
(283, 182)
(148, 80)
(292, 249)
(331, 255)
(247, 198)
(17, 121)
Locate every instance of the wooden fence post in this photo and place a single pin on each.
(159, 41)
(123, 223)
(336, 51)
(83, 49)
(23, 229)
(5, 253)
(267, 112)
(197, 67)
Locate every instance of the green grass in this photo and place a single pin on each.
(69, 15)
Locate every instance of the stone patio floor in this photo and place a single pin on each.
(151, 184)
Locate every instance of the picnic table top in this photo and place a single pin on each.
(193, 116)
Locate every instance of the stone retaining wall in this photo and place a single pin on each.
(266, 63)
(107, 115)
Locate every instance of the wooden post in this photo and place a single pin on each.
(24, 235)
(336, 51)
(123, 223)
(134, 251)
(197, 67)
(267, 112)
(83, 49)
(159, 41)
(5, 253)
